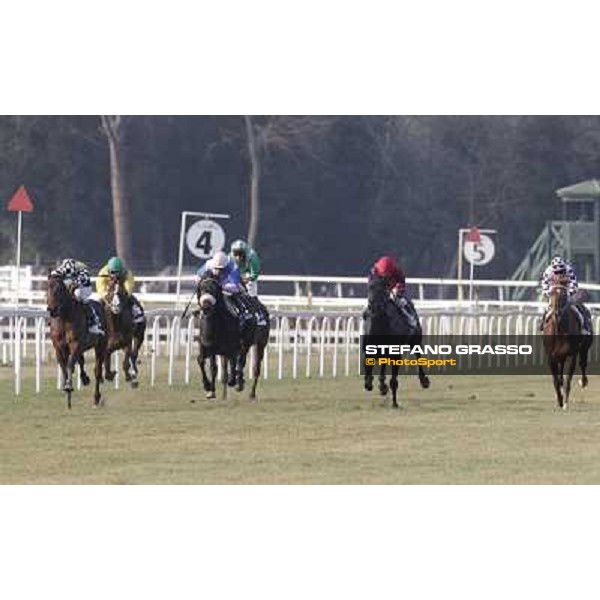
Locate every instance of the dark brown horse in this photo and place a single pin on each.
(564, 342)
(219, 335)
(382, 318)
(71, 337)
(255, 333)
(123, 332)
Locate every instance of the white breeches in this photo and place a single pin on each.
(83, 294)
(252, 288)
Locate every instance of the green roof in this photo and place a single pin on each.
(584, 189)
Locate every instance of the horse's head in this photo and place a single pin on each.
(209, 294)
(559, 293)
(58, 298)
(378, 295)
(114, 295)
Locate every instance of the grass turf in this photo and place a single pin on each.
(462, 430)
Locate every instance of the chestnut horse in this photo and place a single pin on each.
(564, 342)
(71, 337)
(123, 333)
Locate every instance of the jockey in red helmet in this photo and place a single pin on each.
(387, 268)
(391, 272)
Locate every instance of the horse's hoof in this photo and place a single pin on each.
(583, 382)
(68, 387)
(110, 375)
(425, 382)
(369, 386)
(85, 380)
(135, 384)
(193, 401)
(210, 395)
(383, 390)
(241, 384)
(231, 382)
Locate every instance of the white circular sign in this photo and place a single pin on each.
(479, 253)
(204, 238)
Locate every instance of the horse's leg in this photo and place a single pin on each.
(85, 380)
(138, 340)
(225, 369)
(554, 368)
(126, 364)
(562, 373)
(572, 363)
(259, 356)
(239, 369)
(99, 350)
(583, 361)
(369, 378)
(62, 355)
(201, 359)
(394, 385)
(383, 387)
(109, 374)
(209, 384)
(423, 377)
(74, 354)
(231, 382)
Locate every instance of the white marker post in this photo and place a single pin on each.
(478, 249)
(212, 235)
(19, 203)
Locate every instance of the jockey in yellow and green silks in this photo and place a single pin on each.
(116, 268)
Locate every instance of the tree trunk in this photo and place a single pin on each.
(121, 212)
(254, 181)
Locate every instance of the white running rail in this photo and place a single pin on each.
(302, 344)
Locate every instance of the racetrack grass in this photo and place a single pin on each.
(462, 430)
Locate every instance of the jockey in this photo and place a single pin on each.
(391, 272)
(227, 273)
(387, 268)
(248, 262)
(557, 268)
(115, 268)
(76, 278)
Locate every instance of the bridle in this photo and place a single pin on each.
(209, 294)
(59, 291)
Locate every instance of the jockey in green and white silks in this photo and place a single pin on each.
(76, 277)
(248, 262)
(557, 268)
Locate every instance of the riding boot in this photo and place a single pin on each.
(245, 311)
(94, 322)
(582, 313)
(137, 310)
(406, 307)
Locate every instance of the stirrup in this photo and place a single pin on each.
(95, 329)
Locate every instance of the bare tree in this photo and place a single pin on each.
(114, 127)
(273, 134)
(254, 180)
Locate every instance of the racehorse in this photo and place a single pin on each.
(123, 333)
(563, 341)
(219, 335)
(71, 337)
(255, 332)
(383, 318)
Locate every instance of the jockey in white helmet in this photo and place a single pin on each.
(560, 267)
(76, 277)
(227, 273)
